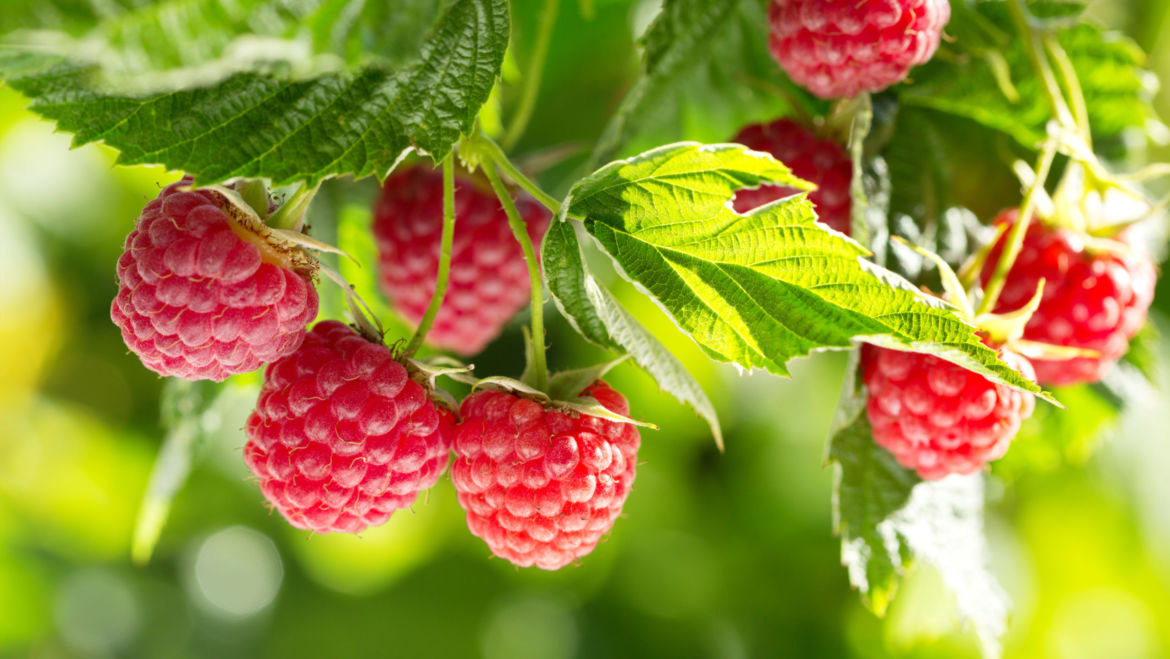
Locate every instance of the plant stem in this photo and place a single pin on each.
(445, 241)
(1025, 23)
(520, 230)
(496, 154)
(548, 18)
(1015, 239)
(1076, 93)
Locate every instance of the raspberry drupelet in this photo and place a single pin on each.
(939, 418)
(204, 295)
(342, 436)
(541, 486)
(840, 48)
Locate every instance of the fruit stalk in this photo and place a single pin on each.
(539, 363)
(1015, 240)
(496, 155)
(1025, 23)
(445, 242)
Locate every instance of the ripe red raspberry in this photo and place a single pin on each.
(202, 296)
(541, 486)
(341, 436)
(840, 48)
(1092, 300)
(823, 162)
(939, 418)
(489, 278)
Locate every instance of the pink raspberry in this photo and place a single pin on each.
(489, 280)
(823, 162)
(939, 418)
(202, 296)
(541, 486)
(341, 436)
(1092, 300)
(840, 48)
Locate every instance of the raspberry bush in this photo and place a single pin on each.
(853, 210)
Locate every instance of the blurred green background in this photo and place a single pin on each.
(716, 556)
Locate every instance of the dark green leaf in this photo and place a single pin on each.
(267, 124)
(697, 49)
(961, 80)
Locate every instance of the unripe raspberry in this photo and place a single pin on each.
(823, 162)
(341, 436)
(489, 280)
(840, 48)
(541, 486)
(204, 295)
(939, 418)
(1092, 300)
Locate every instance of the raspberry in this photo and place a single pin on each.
(201, 295)
(1092, 300)
(541, 486)
(840, 48)
(939, 418)
(489, 280)
(341, 436)
(822, 162)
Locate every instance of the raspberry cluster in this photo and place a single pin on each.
(341, 436)
(822, 162)
(1093, 300)
(201, 296)
(489, 280)
(939, 418)
(541, 485)
(838, 49)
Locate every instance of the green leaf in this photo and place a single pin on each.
(268, 124)
(888, 518)
(762, 288)
(698, 49)
(961, 80)
(133, 41)
(598, 316)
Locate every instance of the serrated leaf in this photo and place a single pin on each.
(138, 42)
(1117, 88)
(888, 518)
(598, 316)
(762, 288)
(695, 49)
(267, 124)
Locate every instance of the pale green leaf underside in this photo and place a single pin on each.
(762, 288)
(887, 518)
(267, 124)
(602, 320)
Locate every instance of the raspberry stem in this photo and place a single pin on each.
(1015, 240)
(548, 18)
(445, 242)
(496, 155)
(539, 365)
(1027, 25)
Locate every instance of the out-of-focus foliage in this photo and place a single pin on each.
(719, 555)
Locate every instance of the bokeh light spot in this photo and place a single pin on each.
(236, 573)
